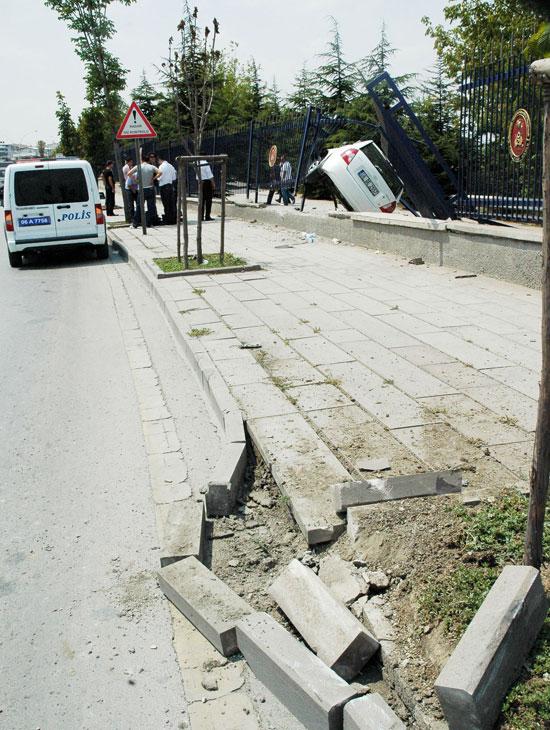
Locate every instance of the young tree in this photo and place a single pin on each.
(68, 135)
(95, 138)
(105, 76)
(257, 91)
(41, 148)
(273, 101)
(475, 29)
(335, 74)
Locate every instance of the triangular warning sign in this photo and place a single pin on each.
(135, 125)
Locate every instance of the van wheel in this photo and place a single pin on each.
(16, 259)
(102, 251)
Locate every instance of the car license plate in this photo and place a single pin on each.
(42, 220)
(368, 183)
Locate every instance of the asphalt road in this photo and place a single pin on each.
(85, 636)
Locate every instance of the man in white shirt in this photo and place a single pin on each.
(166, 187)
(208, 187)
(149, 173)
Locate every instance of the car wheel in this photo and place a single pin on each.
(102, 251)
(16, 259)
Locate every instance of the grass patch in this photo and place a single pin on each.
(199, 332)
(212, 261)
(490, 537)
(199, 292)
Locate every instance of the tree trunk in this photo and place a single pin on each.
(540, 470)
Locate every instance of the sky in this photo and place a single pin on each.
(37, 57)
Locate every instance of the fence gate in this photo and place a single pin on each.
(501, 130)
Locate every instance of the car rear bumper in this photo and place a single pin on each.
(37, 244)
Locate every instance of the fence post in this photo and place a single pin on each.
(260, 140)
(302, 149)
(540, 469)
(169, 151)
(249, 159)
(215, 140)
(312, 149)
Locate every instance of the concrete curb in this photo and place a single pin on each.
(229, 471)
(196, 272)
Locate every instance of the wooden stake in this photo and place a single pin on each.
(540, 469)
(222, 228)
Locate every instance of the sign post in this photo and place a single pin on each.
(136, 126)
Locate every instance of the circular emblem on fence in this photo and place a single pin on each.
(519, 134)
(272, 155)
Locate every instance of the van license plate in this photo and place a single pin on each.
(43, 220)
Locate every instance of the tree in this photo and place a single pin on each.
(105, 76)
(380, 60)
(273, 101)
(68, 135)
(305, 91)
(335, 74)
(256, 89)
(41, 148)
(145, 96)
(475, 29)
(95, 139)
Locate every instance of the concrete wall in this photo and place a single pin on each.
(503, 252)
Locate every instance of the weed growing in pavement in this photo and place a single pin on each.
(211, 261)
(304, 321)
(333, 381)
(509, 420)
(281, 383)
(395, 306)
(316, 330)
(199, 332)
(388, 381)
(284, 499)
(200, 292)
(491, 536)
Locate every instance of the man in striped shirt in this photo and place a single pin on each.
(286, 180)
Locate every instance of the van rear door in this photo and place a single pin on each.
(33, 211)
(74, 206)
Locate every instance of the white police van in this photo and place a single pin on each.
(52, 205)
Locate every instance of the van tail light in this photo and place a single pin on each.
(9, 220)
(388, 208)
(99, 217)
(348, 155)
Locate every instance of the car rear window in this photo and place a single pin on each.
(47, 187)
(384, 167)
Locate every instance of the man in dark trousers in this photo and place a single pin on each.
(109, 182)
(208, 187)
(166, 186)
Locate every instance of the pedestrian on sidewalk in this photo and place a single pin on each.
(208, 187)
(149, 173)
(274, 183)
(132, 187)
(286, 180)
(109, 183)
(166, 187)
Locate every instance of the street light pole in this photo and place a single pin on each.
(540, 469)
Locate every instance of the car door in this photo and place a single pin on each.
(33, 210)
(74, 207)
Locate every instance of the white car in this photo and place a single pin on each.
(52, 205)
(360, 176)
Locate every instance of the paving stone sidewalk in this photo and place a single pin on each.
(363, 355)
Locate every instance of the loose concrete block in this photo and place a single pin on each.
(351, 494)
(211, 606)
(181, 527)
(333, 633)
(371, 712)
(338, 576)
(307, 687)
(226, 480)
(489, 655)
(234, 426)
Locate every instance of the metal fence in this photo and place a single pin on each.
(492, 185)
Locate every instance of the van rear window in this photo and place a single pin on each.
(48, 187)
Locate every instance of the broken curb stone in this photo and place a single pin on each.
(300, 680)
(182, 526)
(352, 494)
(490, 654)
(333, 633)
(371, 712)
(373, 464)
(340, 579)
(205, 600)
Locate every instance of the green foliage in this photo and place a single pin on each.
(475, 29)
(538, 46)
(213, 262)
(336, 75)
(41, 147)
(146, 96)
(199, 332)
(95, 137)
(306, 91)
(68, 134)
(380, 60)
(489, 538)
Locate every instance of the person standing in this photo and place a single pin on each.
(286, 180)
(131, 186)
(109, 183)
(149, 173)
(208, 187)
(166, 187)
